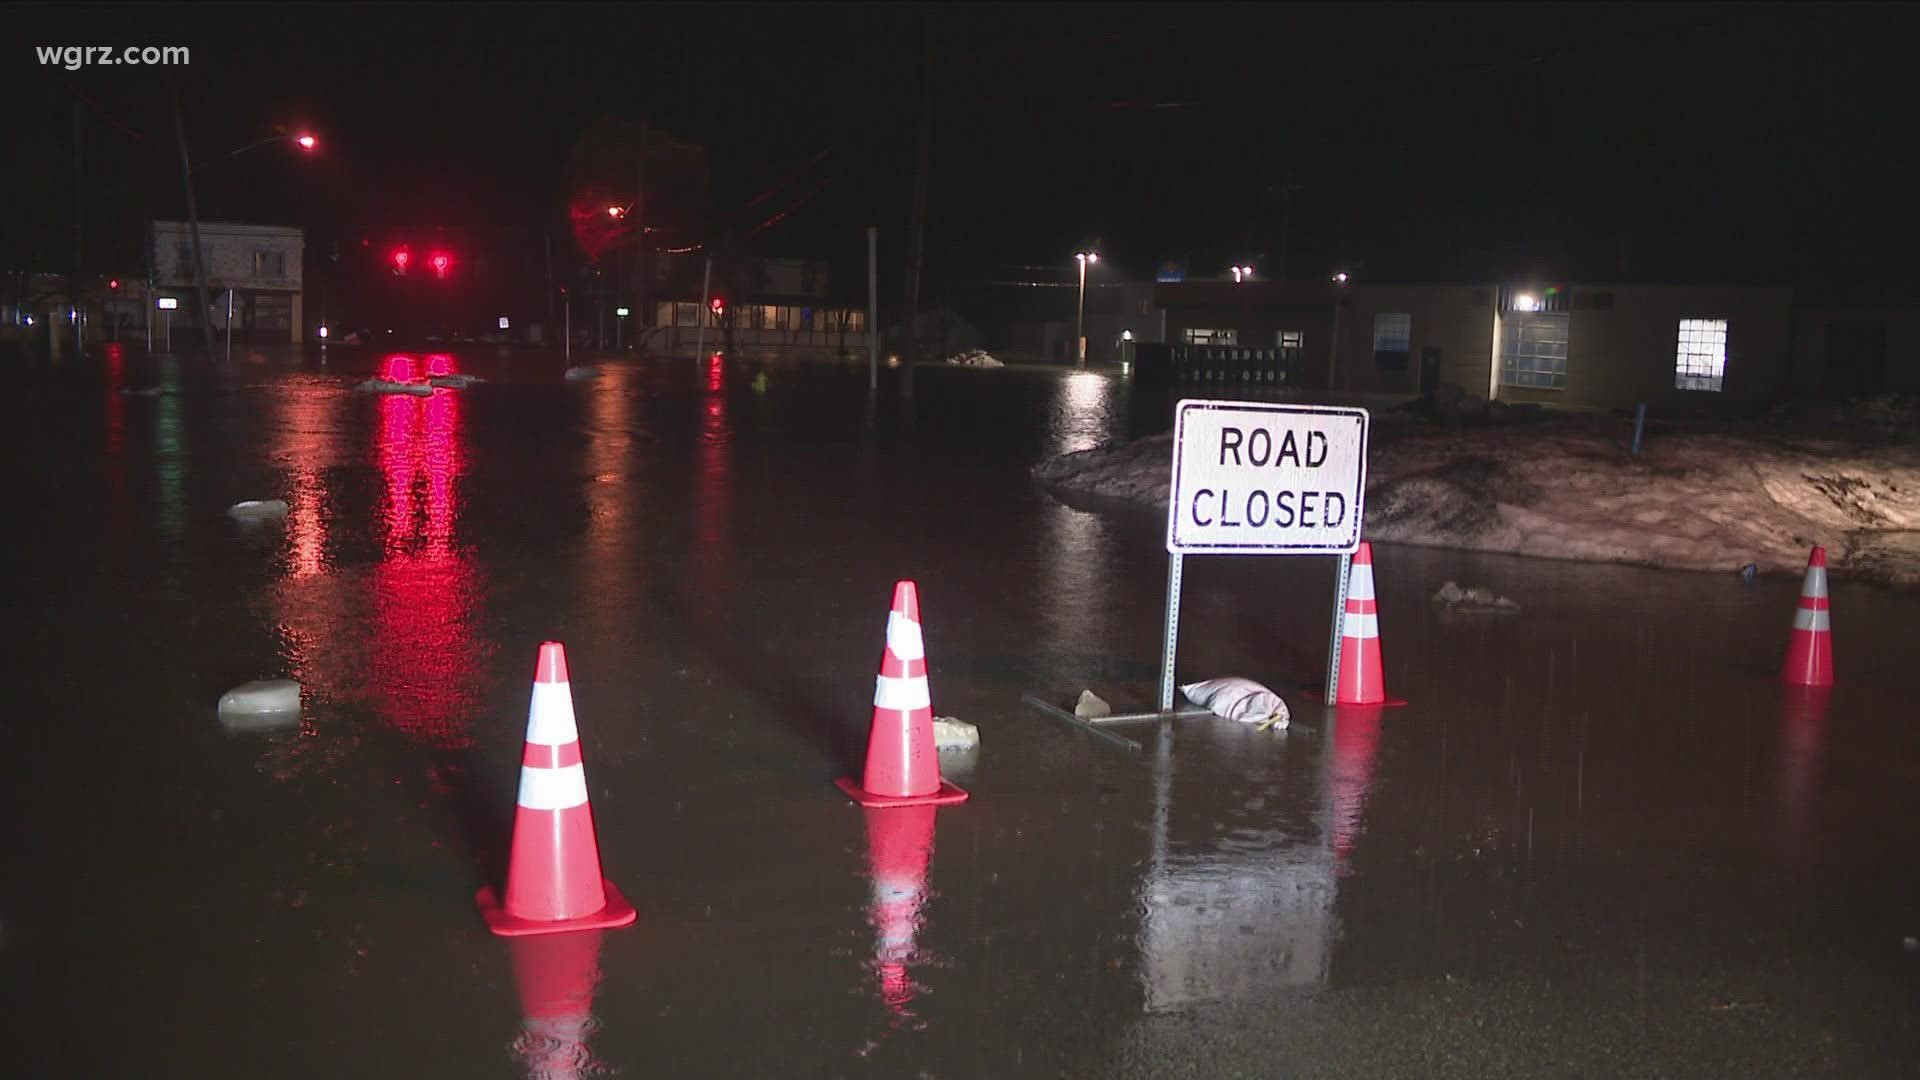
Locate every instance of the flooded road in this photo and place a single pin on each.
(1601, 840)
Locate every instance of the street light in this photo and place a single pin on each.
(1333, 345)
(616, 212)
(1084, 258)
(1242, 274)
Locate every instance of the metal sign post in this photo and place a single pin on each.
(1255, 478)
(1339, 614)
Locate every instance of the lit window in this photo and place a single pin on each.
(1533, 351)
(1700, 361)
(1290, 339)
(1198, 336)
(1392, 339)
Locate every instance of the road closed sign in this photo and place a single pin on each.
(1251, 478)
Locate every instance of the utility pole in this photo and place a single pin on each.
(873, 307)
(75, 286)
(639, 219)
(917, 237)
(193, 222)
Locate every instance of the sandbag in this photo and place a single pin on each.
(1238, 699)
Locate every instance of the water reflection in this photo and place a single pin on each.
(557, 975)
(116, 434)
(1081, 417)
(714, 487)
(900, 849)
(1253, 912)
(170, 454)
(1803, 726)
(612, 544)
(1076, 577)
(424, 589)
(1353, 743)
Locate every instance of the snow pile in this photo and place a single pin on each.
(976, 358)
(388, 386)
(258, 510)
(455, 382)
(953, 735)
(1566, 488)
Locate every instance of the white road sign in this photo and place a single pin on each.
(1254, 478)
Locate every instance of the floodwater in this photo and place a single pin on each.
(1601, 839)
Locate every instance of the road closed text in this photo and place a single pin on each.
(1259, 509)
(1252, 477)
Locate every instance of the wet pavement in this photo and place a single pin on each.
(1602, 840)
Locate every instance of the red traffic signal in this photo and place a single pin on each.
(400, 260)
(719, 306)
(113, 284)
(440, 261)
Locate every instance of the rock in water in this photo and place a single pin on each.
(264, 703)
(584, 371)
(950, 734)
(258, 510)
(1091, 707)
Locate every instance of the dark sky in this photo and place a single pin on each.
(1657, 142)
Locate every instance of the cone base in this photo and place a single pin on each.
(617, 912)
(1389, 703)
(946, 795)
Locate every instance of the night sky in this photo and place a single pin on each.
(1634, 142)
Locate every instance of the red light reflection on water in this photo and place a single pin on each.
(1356, 740)
(398, 368)
(1803, 728)
(116, 428)
(439, 364)
(424, 588)
(713, 494)
(716, 374)
(899, 851)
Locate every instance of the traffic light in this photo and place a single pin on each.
(440, 261)
(401, 258)
(113, 284)
(719, 308)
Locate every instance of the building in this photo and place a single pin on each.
(1568, 345)
(259, 264)
(762, 304)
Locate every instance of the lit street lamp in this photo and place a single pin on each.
(1242, 274)
(1084, 258)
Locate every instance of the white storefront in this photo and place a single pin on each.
(259, 264)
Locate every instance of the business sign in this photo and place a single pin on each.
(1253, 478)
(1171, 271)
(167, 303)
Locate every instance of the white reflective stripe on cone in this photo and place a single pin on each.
(901, 693)
(1360, 585)
(553, 789)
(550, 719)
(1816, 583)
(1809, 619)
(1362, 625)
(903, 638)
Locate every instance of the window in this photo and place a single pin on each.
(183, 262)
(1197, 336)
(270, 264)
(1289, 339)
(1533, 350)
(686, 313)
(1392, 339)
(273, 312)
(1700, 360)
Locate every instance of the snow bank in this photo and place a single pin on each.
(388, 386)
(976, 358)
(1566, 488)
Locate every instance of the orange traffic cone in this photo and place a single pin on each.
(1810, 648)
(903, 768)
(1362, 679)
(557, 975)
(553, 874)
(899, 849)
